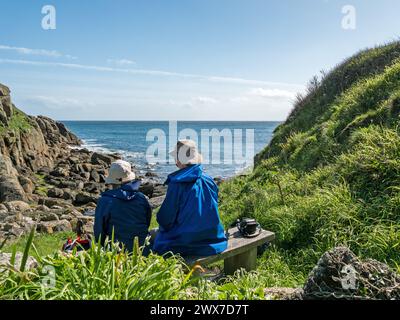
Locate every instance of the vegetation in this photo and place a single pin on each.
(42, 187)
(114, 274)
(45, 244)
(18, 122)
(331, 173)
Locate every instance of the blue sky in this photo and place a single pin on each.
(179, 59)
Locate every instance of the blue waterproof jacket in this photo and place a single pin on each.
(188, 218)
(127, 211)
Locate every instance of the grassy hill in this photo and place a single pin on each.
(331, 174)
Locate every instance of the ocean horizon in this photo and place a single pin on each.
(128, 138)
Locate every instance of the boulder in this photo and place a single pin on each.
(42, 208)
(78, 168)
(87, 167)
(156, 202)
(55, 193)
(67, 184)
(60, 172)
(3, 209)
(159, 190)
(101, 159)
(17, 206)
(83, 198)
(62, 225)
(277, 293)
(93, 187)
(10, 188)
(14, 217)
(50, 202)
(68, 195)
(151, 174)
(85, 175)
(147, 189)
(340, 274)
(5, 259)
(73, 160)
(50, 227)
(72, 212)
(80, 185)
(13, 229)
(3, 215)
(48, 216)
(94, 176)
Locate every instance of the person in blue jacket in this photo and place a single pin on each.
(189, 222)
(123, 209)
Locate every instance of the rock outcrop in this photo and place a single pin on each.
(27, 144)
(340, 274)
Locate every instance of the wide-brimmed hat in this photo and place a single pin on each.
(186, 152)
(120, 172)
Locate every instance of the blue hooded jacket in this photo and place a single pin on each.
(188, 218)
(127, 211)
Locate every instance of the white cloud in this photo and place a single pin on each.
(272, 93)
(194, 102)
(37, 52)
(121, 62)
(59, 102)
(204, 100)
(149, 73)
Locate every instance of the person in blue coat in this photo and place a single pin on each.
(189, 222)
(123, 209)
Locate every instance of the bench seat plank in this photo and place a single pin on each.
(237, 245)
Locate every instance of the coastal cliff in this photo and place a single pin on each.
(27, 144)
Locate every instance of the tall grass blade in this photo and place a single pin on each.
(27, 248)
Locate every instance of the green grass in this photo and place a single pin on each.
(154, 223)
(114, 274)
(19, 122)
(331, 174)
(42, 187)
(46, 244)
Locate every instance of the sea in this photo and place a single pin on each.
(227, 147)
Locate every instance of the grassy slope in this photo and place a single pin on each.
(19, 122)
(331, 174)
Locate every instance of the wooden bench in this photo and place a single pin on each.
(241, 252)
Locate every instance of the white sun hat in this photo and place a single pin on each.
(120, 172)
(186, 152)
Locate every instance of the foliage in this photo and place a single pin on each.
(331, 175)
(111, 273)
(19, 122)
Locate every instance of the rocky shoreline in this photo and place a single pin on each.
(47, 179)
(66, 193)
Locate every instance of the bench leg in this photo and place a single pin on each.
(246, 260)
